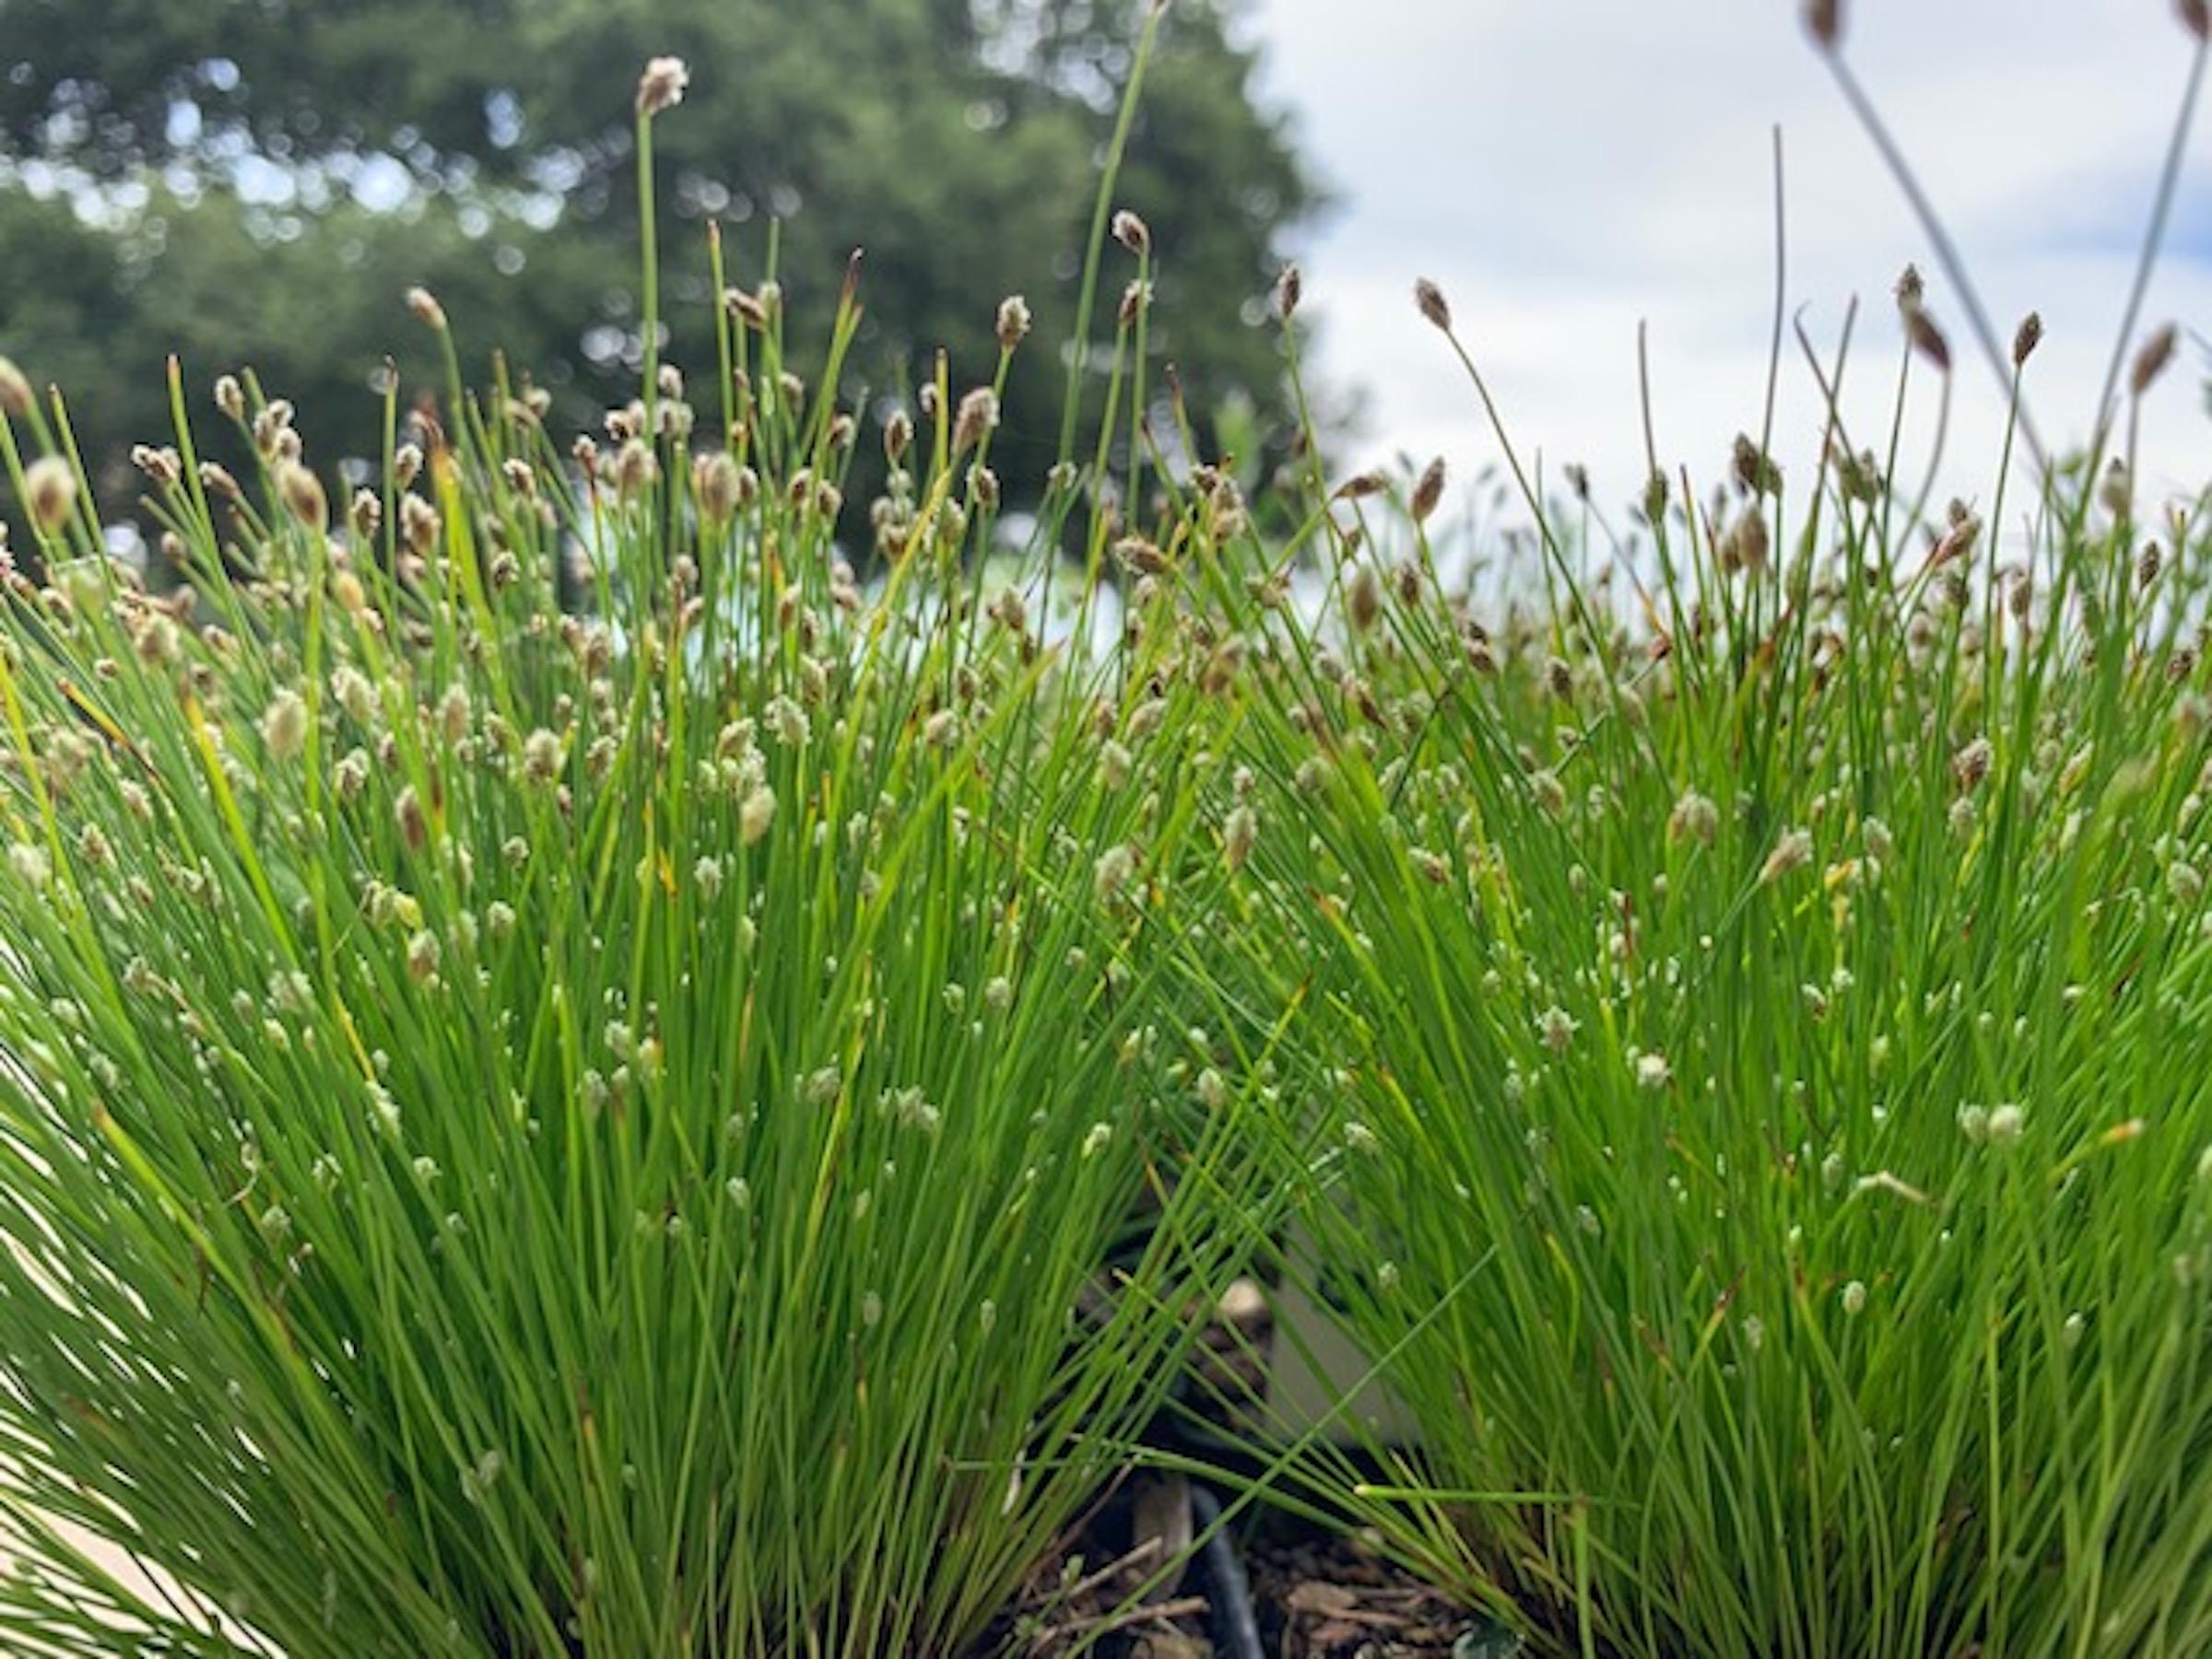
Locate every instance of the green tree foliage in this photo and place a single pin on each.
(277, 172)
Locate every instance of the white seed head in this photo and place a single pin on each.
(662, 85)
(284, 726)
(756, 814)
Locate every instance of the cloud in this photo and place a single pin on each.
(1565, 169)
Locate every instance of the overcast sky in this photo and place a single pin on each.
(1564, 167)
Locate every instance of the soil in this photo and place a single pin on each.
(1312, 1595)
(1302, 1592)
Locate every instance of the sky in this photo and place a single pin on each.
(1565, 168)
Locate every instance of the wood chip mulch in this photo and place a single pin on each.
(1327, 1598)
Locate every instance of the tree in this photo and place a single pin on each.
(261, 179)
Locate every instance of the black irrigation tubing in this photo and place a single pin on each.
(1236, 1627)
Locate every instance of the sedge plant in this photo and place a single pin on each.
(1756, 1019)
(577, 1076)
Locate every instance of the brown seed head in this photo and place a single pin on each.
(2151, 359)
(163, 466)
(1013, 325)
(1363, 597)
(1824, 22)
(1427, 492)
(303, 498)
(977, 417)
(2197, 18)
(1927, 339)
(1288, 286)
(714, 483)
(1755, 470)
(1132, 232)
(745, 308)
(1430, 299)
(2030, 336)
(49, 492)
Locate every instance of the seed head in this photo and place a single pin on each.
(50, 492)
(1013, 324)
(1652, 1072)
(1854, 1299)
(2185, 882)
(2117, 490)
(1363, 597)
(715, 485)
(1756, 471)
(2197, 18)
(2030, 336)
(30, 864)
(745, 308)
(302, 493)
(353, 694)
(662, 85)
(1793, 852)
(230, 396)
(541, 756)
(423, 954)
(1427, 492)
(1288, 286)
(1927, 339)
(1694, 816)
(284, 726)
(755, 815)
(636, 468)
(1112, 871)
(423, 306)
(1239, 834)
(2151, 360)
(898, 436)
(1430, 299)
(977, 416)
(1132, 232)
(15, 395)
(1970, 764)
(413, 821)
(1824, 22)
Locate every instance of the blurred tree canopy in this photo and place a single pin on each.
(257, 181)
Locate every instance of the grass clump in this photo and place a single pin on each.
(1757, 1032)
(576, 1077)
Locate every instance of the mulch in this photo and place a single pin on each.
(1312, 1593)
(1315, 1596)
